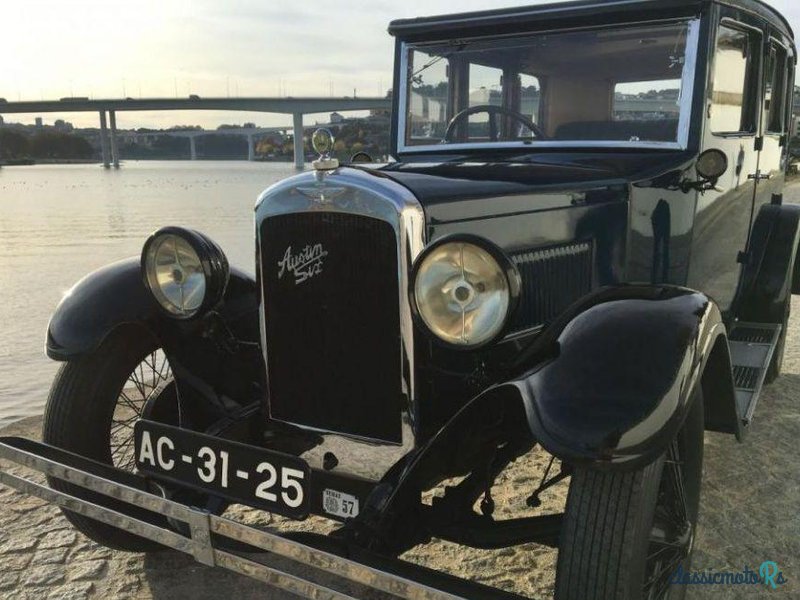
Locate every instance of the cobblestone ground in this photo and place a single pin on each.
(749, 514)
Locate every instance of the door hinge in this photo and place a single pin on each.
(743, 258)
(759, 143)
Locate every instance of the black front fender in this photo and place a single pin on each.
(626, 365)
(99, 303)
(115, 296)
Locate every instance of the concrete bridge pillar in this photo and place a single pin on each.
(299, 151)
(192, 148)
(104, 139)
(251, 147)
(114, 147)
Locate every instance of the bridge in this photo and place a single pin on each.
(192, 134)
(108, 108)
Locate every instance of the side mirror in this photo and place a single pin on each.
(712, 164)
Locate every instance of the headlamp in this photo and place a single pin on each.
(186, 271)
(464, 290)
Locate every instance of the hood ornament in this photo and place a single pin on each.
(322, 140)
(321, 192)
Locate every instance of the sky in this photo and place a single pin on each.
(168, 48)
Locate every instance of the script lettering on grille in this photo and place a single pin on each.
(303, 265)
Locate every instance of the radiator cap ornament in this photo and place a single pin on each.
(322, 140)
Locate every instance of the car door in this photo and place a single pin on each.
(731, 124)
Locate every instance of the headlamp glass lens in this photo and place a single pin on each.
(175, 274)
(462, 293)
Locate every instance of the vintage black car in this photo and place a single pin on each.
(580, 246)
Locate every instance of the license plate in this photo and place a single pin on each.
(339, 504)
(257, 477)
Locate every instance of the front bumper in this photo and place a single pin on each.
(122, 500)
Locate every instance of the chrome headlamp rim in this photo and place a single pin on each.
(508, 268)
(213, 261)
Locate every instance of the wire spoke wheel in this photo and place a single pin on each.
(672, 534)
(146, 379)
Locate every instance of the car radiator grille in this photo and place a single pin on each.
(552, 279)
(333, 324)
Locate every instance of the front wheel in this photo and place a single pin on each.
(626, 533)
(93, 405)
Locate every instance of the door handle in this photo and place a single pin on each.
(758, 176)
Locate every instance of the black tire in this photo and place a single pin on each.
(84, 402)
(611, 542)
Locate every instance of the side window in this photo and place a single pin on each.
(775, 89)
(733, 89)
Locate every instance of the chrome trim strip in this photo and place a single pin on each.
(687, 83)
(109, 488)
(275, 578)
(200, 544)
(530, 146)
(330, 563)
(687, 94)
(359, 192)
(100, 513)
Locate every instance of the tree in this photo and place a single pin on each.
(63, 125)
(13, 144)
(265, 148)
(50, 144)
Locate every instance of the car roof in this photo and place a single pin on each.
(498, 20)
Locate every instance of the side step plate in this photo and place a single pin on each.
(752, 346)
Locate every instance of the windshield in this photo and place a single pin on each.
(606, 85)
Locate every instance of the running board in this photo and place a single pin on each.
(752, 346)
(123, 500)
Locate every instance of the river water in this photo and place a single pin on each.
(60, 222)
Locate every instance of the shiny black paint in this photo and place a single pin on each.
(216, 359)
(767, 282)
(581, 406)
(114, 296)
(438, 180)
(99, 303)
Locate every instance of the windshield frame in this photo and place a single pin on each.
(684, 120)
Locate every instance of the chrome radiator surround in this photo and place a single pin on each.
(357, 192)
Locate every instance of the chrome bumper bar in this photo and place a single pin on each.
(202, 525)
